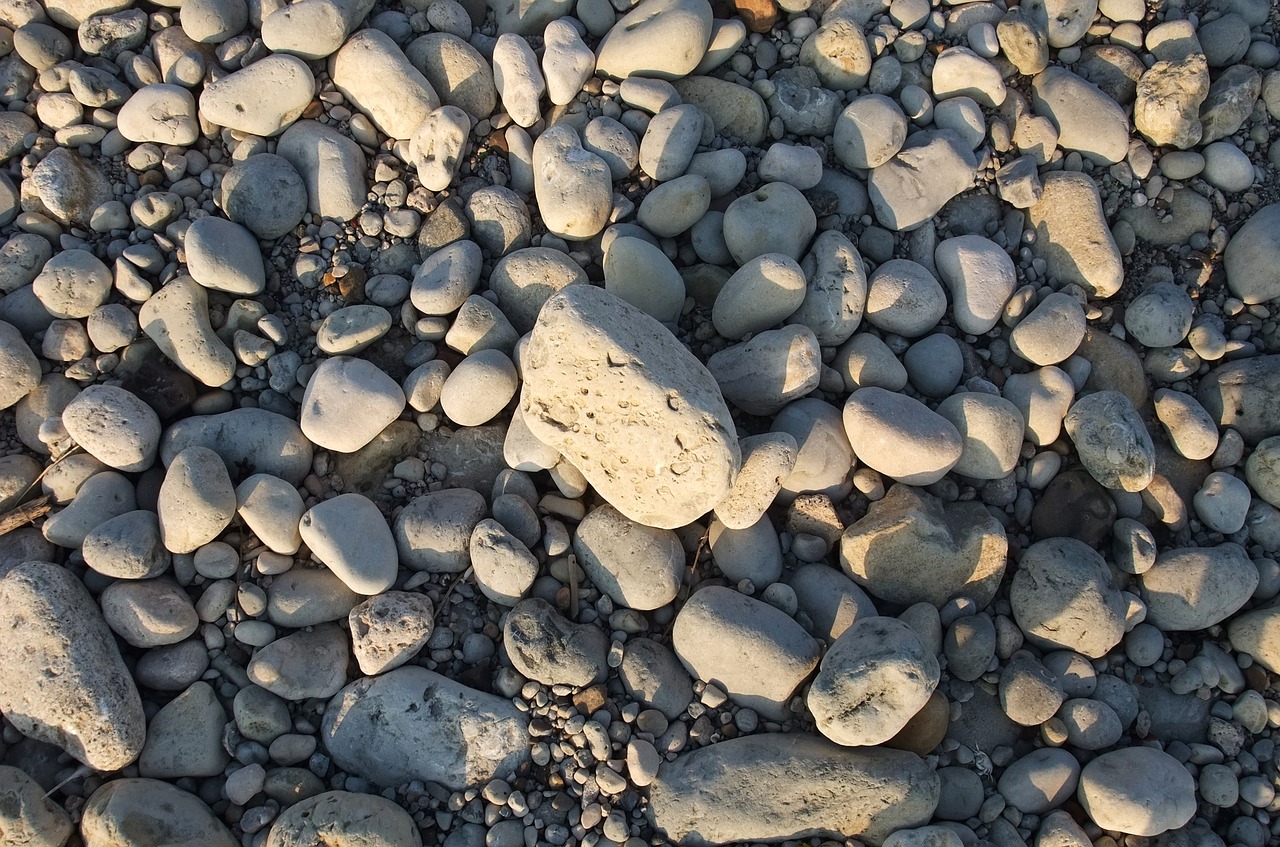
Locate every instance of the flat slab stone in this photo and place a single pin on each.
(790, 786)
(412, 723)
(629, 406)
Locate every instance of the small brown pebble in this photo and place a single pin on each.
(759, 15)
(590, 700)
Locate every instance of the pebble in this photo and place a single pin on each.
(1251, 256)
(767, 459)
(665, 39)
(766, 290)
(264, 98)
(545, 646)
(675, 206)
(92, 708)
(224, 256)
(764, 374)
(176, 318)
(1052, 332)
(479, 388)
(902, 197)
(72, 284)
(196, 501)
(306, 664)
(1087, 120)
(340, 386)
(149, 613)
(638, 566)
(980, 278)
(184, 739)
(1072, 236)
(518, 79)
(1167, 106)
(161, 113)
(1062, 597)
(349, 535)
(872, 680)
(583, 331)
(746, 774)
(433, 532)
(774, 219)
(869, 131)
(114, 426)
(991, 430)
(504, 567)
(1191, 589)
(331, 165)
(900, 436)
(757, 655)
(1137, 790)
(638, 273)
(1112, 440)
(150, 805)
(573, 185)
(256, 438)
(344, 819)
(375, 75)
(925, 550)
(1029, 695)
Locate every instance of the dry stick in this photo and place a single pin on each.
(25, 514)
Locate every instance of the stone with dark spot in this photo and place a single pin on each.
(1076, 506)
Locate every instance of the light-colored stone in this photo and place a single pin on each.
(349, 401)
(1062, 596)
(344, 819)
(912, 547)
(1072, 235)
(684, 461)
(91, 707)
(772, 787)
(657, 38)
(638, 566)
(872, 680)
(376, 76)
(350, 536)
(900, 436)
(196, 500)
(1137, 790)
(264, 98)
(1192, 588)
(176, 318)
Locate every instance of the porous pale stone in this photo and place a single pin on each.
(912, 547)
(90, 707)
(1167, 108)
(872, 680)
(778, 786)
(638, 566)
(389, 629)
(439, 145)
(1192, 588)
(652, 435)
(1062, 596)
(28, 818)
(66, 187)
(1137, 790)
(751, 650)
(518, 78)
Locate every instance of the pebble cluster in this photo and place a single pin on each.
(579, 423)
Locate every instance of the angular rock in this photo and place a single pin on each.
(1062, 596)
(912, 547)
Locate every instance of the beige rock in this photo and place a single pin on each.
(912, 547)
(1072, 235)
(89, 706)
